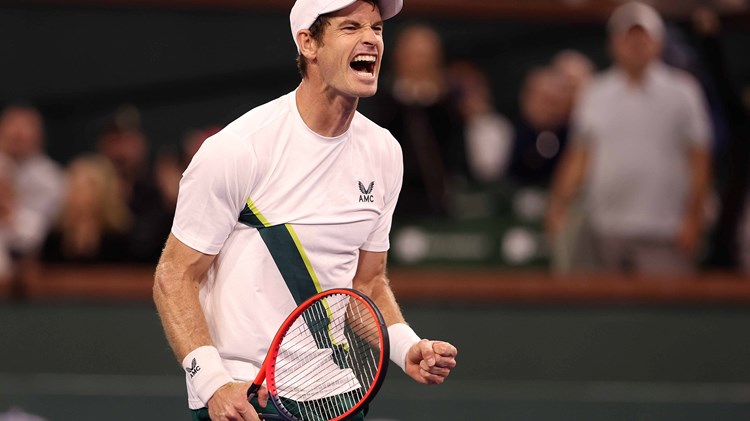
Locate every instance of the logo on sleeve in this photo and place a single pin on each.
(193, 369)
(366, 195)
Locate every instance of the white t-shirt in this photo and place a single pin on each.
(322, 199)
(639, 141)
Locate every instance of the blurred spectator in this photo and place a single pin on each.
(170, 166)
(416, 108)
(541, 133)
(731, 235)
(572, 246)
(94, 221)
(31, 189)
(126, 146)
(641, 150)
(546, 101)
(7, 207)
(576, 70)
(487, 133)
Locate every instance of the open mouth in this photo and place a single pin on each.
(364, 64)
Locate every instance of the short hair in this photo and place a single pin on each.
(316, 30)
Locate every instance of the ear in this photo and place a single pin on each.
(307, 45)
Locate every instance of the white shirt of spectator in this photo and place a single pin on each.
(639, 139)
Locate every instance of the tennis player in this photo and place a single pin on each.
(294, 197)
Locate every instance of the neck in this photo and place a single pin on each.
(636, 75)
(324, 112)
(16, 157)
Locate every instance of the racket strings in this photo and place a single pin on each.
(306, 357)
(328, 360)
(327, 407)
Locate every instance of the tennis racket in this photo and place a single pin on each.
(327, 360)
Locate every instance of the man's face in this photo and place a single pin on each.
(126, 150)
(544, 100)
(21, 133)
(350, 55)
(418, 51)
(634, 49)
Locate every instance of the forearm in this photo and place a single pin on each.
(699, 184)
(402, 337)
(379, 290)
(569, 178)
(180, 311)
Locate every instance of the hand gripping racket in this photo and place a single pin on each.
(327, 360)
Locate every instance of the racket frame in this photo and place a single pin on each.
(273, 352)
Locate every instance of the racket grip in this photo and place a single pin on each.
(251, 391)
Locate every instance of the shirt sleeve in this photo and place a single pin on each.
(41, 186)
(393, 167)
(213, 192)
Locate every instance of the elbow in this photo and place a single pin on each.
(157, 289)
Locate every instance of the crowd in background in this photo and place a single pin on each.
(114, 204)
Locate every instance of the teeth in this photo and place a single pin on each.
(370, 59)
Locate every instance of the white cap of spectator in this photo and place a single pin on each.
(305, 12)
(637, 14)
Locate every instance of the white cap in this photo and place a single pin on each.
(305, 12)
(637, 14)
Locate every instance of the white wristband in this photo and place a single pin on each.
(205, 372)
(401, 337)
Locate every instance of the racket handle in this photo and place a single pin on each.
(251, 391)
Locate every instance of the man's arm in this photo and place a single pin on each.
(567, 183)
(700, 178)
(176, 286)
(427, 362)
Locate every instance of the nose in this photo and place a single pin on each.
(370, 37)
